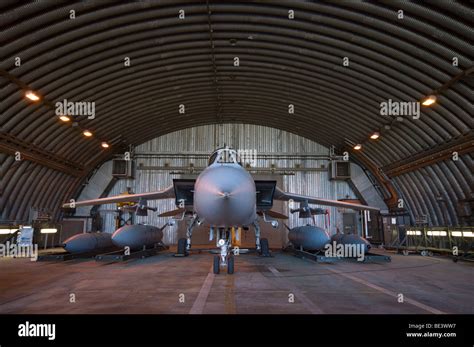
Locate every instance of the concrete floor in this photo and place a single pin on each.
(259, 285)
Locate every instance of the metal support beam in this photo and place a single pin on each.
(463, 74)
(454, 80)
(462, 145)
(11, 145)
(51, 105)
(196, 169)
(392, 200)
(261, 155)
(214, 65)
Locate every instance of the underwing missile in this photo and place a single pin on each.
(137, 236)
(308, 237)
(88, 242)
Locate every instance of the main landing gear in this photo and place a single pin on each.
(182, 249)
(184, 244)
(224, 240)
(261, 245)
(264, 248)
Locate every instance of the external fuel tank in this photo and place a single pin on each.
(88, 242)
(308, 237)
(351, 239)
(137, 236)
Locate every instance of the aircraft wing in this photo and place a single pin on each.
(281, 195)
(167, 193)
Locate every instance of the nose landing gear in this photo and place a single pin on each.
(218, 264)
(230, 265)
(225, 259)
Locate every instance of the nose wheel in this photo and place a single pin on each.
(230, 265)
(225, 259)
(217, 265)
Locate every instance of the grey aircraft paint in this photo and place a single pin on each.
(309, 237)
(88, 242)
(352, 239)
(224, 195)
(137, 236)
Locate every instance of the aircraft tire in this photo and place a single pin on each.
(181, 246)
(264, 248)
(217, 264)
(230, 265)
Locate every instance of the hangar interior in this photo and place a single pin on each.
(360, 102)
(186, 152)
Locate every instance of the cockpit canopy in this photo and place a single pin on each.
(224, 156)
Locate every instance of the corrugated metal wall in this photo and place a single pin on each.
(282, 61)
(240, 136)
(30, 186)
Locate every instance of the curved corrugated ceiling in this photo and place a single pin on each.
(190, 61)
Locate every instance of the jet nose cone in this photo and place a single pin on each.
(225, 195)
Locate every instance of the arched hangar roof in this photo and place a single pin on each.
(289, 53)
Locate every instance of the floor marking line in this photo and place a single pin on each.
(388, 292)
(309, 304)
(200, 302)
(229, 297)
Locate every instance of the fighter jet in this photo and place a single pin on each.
(223, 197)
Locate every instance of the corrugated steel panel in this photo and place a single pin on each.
(282, 61)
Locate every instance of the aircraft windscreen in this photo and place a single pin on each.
(212, 159)
(224, 156)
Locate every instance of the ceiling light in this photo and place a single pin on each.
(375, 135)
(436, 233)
(413, 232)
(64, 118)
(7, 231)
(49, 231)
(358, 146)
(32, 96)
(429, 100)
(105, 145)
(87, 133)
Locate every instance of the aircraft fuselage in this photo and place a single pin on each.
(225, 196)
